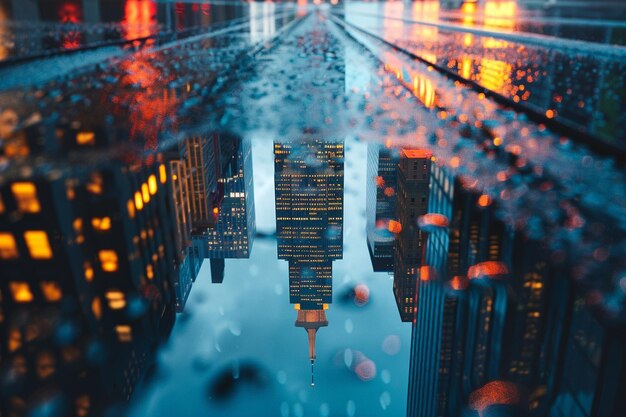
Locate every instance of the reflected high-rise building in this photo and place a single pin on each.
(500, 329)
(380, 203)
(233, 210)
(309, 178)
(412, 202)
(88, 265)
(213, 192)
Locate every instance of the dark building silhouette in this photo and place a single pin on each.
(88, 262)
(412, 202)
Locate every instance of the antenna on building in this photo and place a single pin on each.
(312, 372)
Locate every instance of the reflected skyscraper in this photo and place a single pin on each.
(233, 208)
(412, 202)
(503, 332)
(88, 265)
(380, 206)
(309, 178)
(213, 193)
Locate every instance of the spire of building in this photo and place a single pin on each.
(312, 333)
(311, 321)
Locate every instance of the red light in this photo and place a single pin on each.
(361, 295)
(489, 269)
(484, 200)
(395, 227)
(492, 393)
(433, 219)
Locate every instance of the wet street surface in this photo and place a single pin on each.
(525, 108)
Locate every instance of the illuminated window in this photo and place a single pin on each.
(152, 184)
(101, 224)
(38, 244)
(21, 292)
(108, 260)
(162, 174)
(131, 209)
(94, 186)
(45, 365)
(78, 228)
(51, 291)
(116, 299)
(25, 195)
(145, 193)
(124, 333)
(149, 271)
(88, 271)
(15, 340)
(1, 206)
(96, 308)
(8, 248)
(85, 138)
(138, 200)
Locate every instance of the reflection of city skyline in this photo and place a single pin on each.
(490, 312)
(99, 251)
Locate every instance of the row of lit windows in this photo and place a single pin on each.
(36, 241)
(22, 293)
(25, 195)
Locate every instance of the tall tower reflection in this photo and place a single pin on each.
(308, 179)
(412, 202)
(213, 194)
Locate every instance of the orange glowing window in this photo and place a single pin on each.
(94, 186)
(78, 228)
(85, 138)
(131, 209)
(108, 260)
(96, 308)
(15, 340)
(51, 291)
(101, 224)
(45, 365)
(149, 271)
(1, 205)
(138, 200)
(145, 193)
(25, 195)
(21, 292)
(162, 174)
(216, 210)
(8, 247)
(116, 300)
(124, 333)
(88, 271)
(152, 184)
(38, 244)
